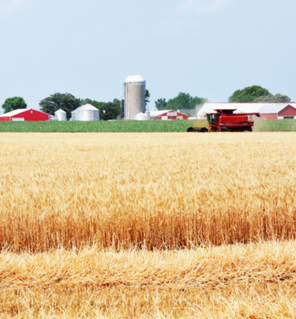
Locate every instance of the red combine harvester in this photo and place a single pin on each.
(226, 121)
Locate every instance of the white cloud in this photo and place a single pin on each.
(12, 6)
(202, 6)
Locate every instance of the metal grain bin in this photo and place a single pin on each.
(87, 112)
(61, 115)
(74, 114)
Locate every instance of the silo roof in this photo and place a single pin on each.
(77, 109)
(86, 107)
(134, 78)
(159, 113)
(60, 111)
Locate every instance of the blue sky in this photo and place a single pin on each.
(208, 48)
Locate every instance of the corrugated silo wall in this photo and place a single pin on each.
(134, 99)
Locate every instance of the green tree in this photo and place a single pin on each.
(282, 98)
(14, 103)
(147, 97)
(181, 101)
(184, 101)
(116, 101)
(161, 104)
(277, 98)
(67, 102)
(248, 94)
(109, 111)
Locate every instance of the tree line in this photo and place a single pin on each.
(254, 94)
(111, 110)
(257, 94)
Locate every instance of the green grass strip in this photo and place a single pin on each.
(133, 126)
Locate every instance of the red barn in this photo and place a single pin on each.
(168, 115)
(24, 115)
(289, 112)
(278, 111)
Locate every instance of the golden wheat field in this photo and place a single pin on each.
(171, 225)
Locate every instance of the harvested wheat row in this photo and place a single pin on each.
(221, 266)
(252, 281)
(255, 301)
(145, 190)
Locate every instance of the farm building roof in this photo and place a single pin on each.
(15, 112)
(192, 112)
(86, 106)
(159, 113)
(19, 111)
(60, 111)
(156, 113)
(275, 108)
(243, 107)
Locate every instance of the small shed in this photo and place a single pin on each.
(25, 115)
(168, 115)
(61, 115)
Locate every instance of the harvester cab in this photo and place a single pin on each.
(225, 120)
(213, 119)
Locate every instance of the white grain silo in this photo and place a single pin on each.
(86, 112)
(61, 115)
(134, 96)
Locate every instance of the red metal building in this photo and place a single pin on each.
(267, 116)
(168, 115)
(278, 111)
(24, 115)
(288, 112)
